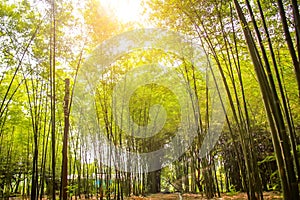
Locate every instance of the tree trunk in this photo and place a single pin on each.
(64, 175)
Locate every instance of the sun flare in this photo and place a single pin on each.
(124, 10)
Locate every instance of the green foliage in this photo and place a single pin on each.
(72, 189)
(275, 180)
(298, 150)
(267, 159)
(232, 191)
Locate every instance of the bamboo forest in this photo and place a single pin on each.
(149, 99)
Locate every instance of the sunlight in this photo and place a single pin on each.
(125, 10)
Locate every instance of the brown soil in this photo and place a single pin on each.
(160, 196)
(175, 196)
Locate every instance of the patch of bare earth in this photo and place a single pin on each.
(175, 196)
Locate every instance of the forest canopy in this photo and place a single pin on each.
(120, 99)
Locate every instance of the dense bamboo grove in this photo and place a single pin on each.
(54, 146)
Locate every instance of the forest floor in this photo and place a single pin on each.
(174, 196)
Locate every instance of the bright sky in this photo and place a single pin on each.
(125, 10)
